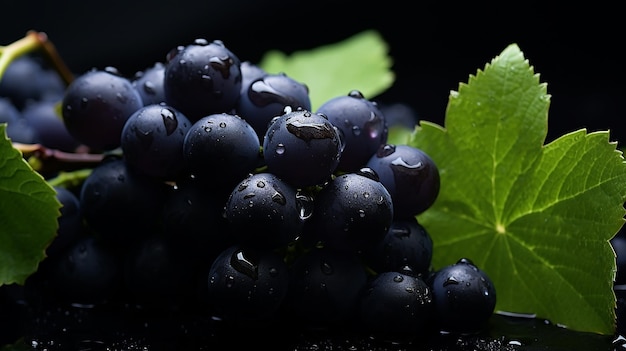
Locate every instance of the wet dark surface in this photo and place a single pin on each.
(118, 327)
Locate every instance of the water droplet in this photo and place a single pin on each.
(304, 204)
(398, 278)
(369, 173)
(279, 198)
(280, 149)
(385, 150)
(169, 120)
(245, 263)
(450, 281)
(326, 268)
(356, 94)
(311, 130)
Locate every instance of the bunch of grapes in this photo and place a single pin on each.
(221, 190)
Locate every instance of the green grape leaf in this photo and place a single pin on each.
(29, 210)
(536, 217)
(360, 62)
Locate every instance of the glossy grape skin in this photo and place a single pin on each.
(49, 129)
(303, 148)
(221, 149)
(352, 212)
(28, 79)
(96, 105)
(324, 289)
(70, 221)
(149, 84)
(410, 175)
(362, 124)
(120, 205)
(202, 78)
(247, 284)
(407, 247)
(396, 307)
(263, 211)
(152, 141)
(464, 297)
(18, 129)
(193, 218)
(8, 111)
(268, 96)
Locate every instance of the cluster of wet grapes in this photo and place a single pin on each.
(221, 190)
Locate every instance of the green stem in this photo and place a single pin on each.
(34, 41)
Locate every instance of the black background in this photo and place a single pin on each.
(576, 49)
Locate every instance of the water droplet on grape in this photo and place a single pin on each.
(280, 149)
(245, 263)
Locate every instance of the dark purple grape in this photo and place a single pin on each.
(324, 289)
(263, 211)
(407, 247)
(20, 131)
(193, 219)
(159, 275)
(410, 175)
(87, 272)
(464, 297)
(362, 125)
(48, 126)
(247, 284)
(8, 111)
(120, 205)
(303, 148)
(70, 221)
(267, 97)
(396, 307)
(149, 84)
(152, 141)
(202, 78)
(352, 212)
(96, 106)
(221, 149)
(28, 78)
(249, 73)
(400, 115)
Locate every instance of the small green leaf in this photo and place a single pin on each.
(537, 218)
(360, 62)
(28, 214)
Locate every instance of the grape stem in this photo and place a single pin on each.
(34, 41)
(49, 162)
